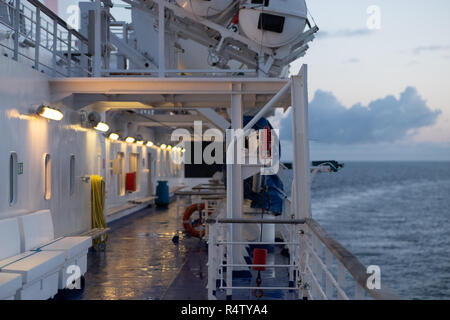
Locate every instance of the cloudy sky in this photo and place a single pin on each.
(380, 94)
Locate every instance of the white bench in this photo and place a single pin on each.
(10, 283)
(38, 235)
(38, 271)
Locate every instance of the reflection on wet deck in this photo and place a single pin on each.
(141, 262)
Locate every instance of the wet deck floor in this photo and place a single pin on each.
(142, 263)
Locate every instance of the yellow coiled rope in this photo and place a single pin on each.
(98, 194)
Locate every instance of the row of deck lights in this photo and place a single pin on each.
(115, 136)
(57, 115)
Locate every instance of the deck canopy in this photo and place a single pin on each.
(165, 94)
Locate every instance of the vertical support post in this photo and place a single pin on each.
(97, 39)
(237, 184)
(328, 284)
(292, 251)
(234, 183)
(38, 38)
(178, 216)
(229, 228)
(54, 47)
(212, 261)
(16, 30)
(161, 39)
(69, 54)
(341, 277)
(300, 136)
(301, 182)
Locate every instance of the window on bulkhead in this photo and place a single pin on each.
(47, 177)
(13, 166)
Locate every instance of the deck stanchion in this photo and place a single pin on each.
(341, 277)
(69, 53)
(328, 283)
(16, 29)
(54, 48)
(176, 237)
(97, 37)
(161, 39)
(38, 38)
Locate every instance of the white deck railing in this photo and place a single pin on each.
(44, 40)
(319, 266)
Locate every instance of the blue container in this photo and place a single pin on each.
(162, 192)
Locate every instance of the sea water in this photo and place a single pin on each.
(395, 215)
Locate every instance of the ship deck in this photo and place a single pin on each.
(142, 263)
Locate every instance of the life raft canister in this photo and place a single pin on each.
(188, 226)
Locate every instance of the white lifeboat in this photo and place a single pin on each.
(273, 23)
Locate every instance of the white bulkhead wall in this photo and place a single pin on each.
(22, 90)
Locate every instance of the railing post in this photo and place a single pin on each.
(318, 250)
(38, 38)
(16, 30)
(328, 263)
(292, 252)
(54, 45)
(46, 34)
(161, 39)
(69, 53)
(228, 269)
(212, 261)
(97, 39)
(341, 275)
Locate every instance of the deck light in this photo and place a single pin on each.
(114, 136)
(101, 126)
(50, 113)
(183, 150)
(169, 147)
(130, 140)
(163, 146)
(140, 142)
(149, 144)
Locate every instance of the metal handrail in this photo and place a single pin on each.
(346, 260)
(350, 262)
(258, 221)
(32, 25)
(56, 18)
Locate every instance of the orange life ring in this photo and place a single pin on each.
(190, 229)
